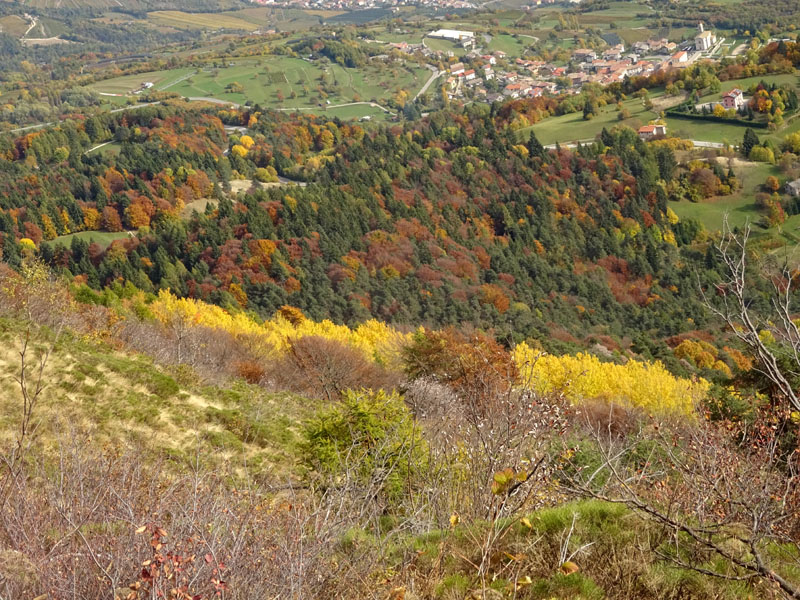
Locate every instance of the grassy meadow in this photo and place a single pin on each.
(273, 81)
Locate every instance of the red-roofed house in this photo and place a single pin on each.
(733, 99)
(648, 132)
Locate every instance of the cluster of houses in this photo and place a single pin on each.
(396, 5)
(532, 78)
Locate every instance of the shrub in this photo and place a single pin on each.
(762, 154)
(324, 368)
(368, 440)
(250, 371)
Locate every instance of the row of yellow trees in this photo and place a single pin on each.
(579, 377)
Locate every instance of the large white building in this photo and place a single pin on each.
(704, 39)
(453, 35)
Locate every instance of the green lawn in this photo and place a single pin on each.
(572, 127)
(112, 148)
(739, 206)
(443, 45)
(103, 238)
(707, 131)
(509, 44)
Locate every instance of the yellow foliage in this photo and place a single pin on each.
(581, 377)
(378, 341)
(584, 377)
(672, 217)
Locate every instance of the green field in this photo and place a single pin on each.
(443, 45)
(271, 81)
(282, 19)
(112, 148)
(103, 238)
(707, 131)
(127, 84)
(508, 44)
(572, 127)
(184, 20)
(13, 25)
(744, 84)
(739, 206)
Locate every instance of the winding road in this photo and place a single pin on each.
(696, 143)
(434, 76)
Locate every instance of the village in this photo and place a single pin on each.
(493, 76)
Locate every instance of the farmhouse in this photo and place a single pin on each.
(704, 39)
(648, 132)
(453, 35)
(733, 99)
(793, 188)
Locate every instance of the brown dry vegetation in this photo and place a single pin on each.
(133, 476)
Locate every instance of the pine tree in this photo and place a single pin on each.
(749, 142)
(535, 146)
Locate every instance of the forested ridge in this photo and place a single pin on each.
(443, 221)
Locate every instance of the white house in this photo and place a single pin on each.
(793, 188)
(648, 132)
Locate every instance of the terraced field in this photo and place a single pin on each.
(13, 25)
(184, 20)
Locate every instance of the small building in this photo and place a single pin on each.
(614, 53)
(649, 132)
(793, 188)
(733, 99)
(704, 39)
(584, 55)
(678, 58)
(469, 75)
(457, 68)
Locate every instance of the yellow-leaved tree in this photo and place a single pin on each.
(585, 377)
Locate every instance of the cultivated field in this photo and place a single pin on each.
(183, 20)
(13, 25)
